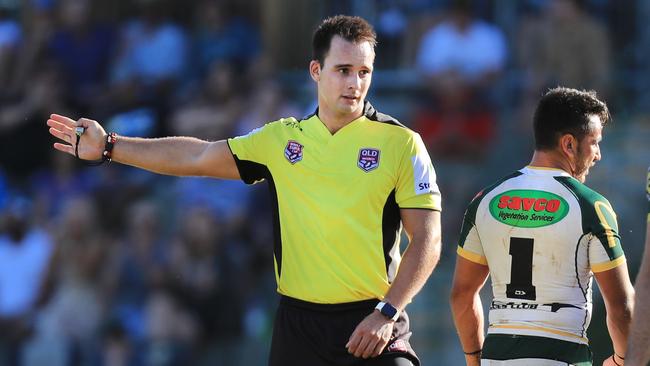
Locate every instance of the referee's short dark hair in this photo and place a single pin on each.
(351, 28)
(565, 110)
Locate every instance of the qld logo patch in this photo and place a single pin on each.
(368, 159)
(293, 151)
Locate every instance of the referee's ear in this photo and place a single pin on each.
(314, 70)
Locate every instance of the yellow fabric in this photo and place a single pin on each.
(471, 256)
(600, 267)
(331, 212)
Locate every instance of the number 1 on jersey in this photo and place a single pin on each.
(521, 270)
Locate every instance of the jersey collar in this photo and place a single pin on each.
(544, 171)
(320, 128)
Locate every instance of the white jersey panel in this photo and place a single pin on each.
(531, 231)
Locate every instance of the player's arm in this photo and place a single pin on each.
(181, 156)
(420, 258)
(618, 294)
(466, 307)
(638, 351)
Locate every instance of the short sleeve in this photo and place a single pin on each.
(416, 184)
(605, 250)
(249, 152)
(469, 245)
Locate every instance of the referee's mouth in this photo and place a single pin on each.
(351, 97)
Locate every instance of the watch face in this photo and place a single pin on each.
(388, 310)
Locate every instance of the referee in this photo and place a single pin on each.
(344, 181)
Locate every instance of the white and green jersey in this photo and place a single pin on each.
(543, 234)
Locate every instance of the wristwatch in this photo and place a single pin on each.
(387, 310)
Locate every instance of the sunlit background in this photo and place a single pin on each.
(115, 266)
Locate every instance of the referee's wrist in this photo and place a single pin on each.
(387, 310)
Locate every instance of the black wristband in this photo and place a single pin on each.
(614, 359)
(473, 353)
(107, 154)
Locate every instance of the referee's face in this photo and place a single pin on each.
(344, 78)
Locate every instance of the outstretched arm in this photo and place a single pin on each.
(371, 336)
(182, 156)
(466, 307)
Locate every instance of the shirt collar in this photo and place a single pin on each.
(544, 171)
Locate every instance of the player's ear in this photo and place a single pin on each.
(568, 145)
(314, 70)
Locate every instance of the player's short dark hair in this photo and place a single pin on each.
(565, 110)
(351, 28)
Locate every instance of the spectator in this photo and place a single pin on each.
(224, 34)
(74, 315)
(461, 58)
(11, 35)
(267, 103)
(202, 274)
(212, 114)
(562, 46)
(25, 280)
(391, 28)
(140, 261)
(82, 49)
(57, 184)
(152, 59)
(169, 330)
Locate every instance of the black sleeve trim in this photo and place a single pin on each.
(250, 172)
(421, 208)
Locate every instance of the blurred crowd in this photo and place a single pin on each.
(115, 266)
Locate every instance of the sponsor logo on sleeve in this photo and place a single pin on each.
(423, 175)
(293, 151)
(368, 159)
(528, 208)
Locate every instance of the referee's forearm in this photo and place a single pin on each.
(418, 262)
(169, 155)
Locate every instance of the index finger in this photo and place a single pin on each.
(63, 119)
(353, 342)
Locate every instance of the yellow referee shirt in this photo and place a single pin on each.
(337, 199)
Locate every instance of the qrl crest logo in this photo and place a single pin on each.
(368, 159)
(293, 151)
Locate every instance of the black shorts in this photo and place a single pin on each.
(312, 334)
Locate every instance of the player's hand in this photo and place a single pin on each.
(91, 143)
(473, 360)
(609, 361)
(371, 336)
